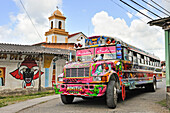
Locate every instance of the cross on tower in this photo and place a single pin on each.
(57, 7)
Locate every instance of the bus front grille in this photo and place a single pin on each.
(77, 72)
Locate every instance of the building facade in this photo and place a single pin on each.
(21, 65)
(57, 32)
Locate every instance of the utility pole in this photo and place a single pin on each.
(165, 24)
(39, 85)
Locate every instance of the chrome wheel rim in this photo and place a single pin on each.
(154, 85)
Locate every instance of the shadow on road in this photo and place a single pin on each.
(98, 102)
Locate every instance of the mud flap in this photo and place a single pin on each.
(123, 92)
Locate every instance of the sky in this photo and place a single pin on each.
(92, 17)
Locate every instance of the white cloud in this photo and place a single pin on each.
(20, 30)
(129, 15)
(138, 33)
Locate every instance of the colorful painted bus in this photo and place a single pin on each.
(105, 66)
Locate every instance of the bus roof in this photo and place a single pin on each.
(98, 41)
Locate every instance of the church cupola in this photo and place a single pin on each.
(57, 33)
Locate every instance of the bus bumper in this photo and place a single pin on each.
(80, 89)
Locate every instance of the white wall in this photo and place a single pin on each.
(59, 67)
(74, 38)
(12, 65)
(60, 38)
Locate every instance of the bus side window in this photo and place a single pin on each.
(135, 57)
(99, 69)
(138, 58)
(110, 67)
(156, 64)
(159, 64)
(144, 59)
(130, 54)
(125, 54)
(122, 51)
(148, 60)
(153, 62)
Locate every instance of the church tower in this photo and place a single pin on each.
(57, 33)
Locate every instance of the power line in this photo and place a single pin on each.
(156, 49)
(136, 9)
(30, 20)
(155, 7)
(140, 20)
(127, 10)
(145, 8)
(131, 13)
(160, 6)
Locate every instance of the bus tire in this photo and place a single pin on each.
(87, 98)
(111, 95)
(151, 86)
(67, 99)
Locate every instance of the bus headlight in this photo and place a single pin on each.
(60, 79)
(97, 78)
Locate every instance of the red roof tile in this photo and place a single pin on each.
(73, 34)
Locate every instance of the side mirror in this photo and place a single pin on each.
(94, 59)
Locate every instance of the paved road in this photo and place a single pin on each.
(137, 101)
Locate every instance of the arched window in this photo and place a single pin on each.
(51, 24)
(59, 24)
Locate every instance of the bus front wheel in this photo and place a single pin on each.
(111, 95)
(67, 99)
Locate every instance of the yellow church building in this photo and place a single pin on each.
(57, 36)
(49, 57)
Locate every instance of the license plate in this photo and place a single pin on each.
(74, 88)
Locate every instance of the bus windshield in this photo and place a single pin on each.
(105, 53)
(85, 54)
(101, 53)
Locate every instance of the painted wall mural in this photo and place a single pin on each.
(27, 71)
(2, 76)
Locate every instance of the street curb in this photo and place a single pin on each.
(13, 108)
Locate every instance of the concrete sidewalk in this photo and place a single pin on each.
(13, 108)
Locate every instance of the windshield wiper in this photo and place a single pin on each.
(90, 52)
(110, 52)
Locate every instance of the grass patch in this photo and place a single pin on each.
(163, 103)
(4, 101)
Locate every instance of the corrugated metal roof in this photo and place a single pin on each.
(160, 22)
(163, 22)
(28, 49)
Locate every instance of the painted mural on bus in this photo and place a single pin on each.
(106, 66)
